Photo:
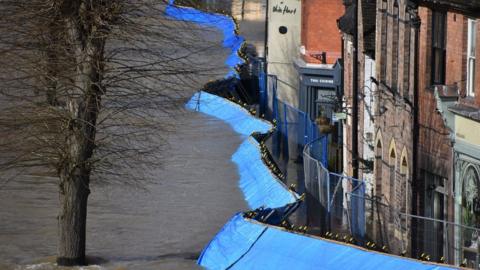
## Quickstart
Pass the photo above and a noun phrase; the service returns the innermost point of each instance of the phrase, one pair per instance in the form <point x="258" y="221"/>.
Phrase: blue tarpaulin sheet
<point x="224" y="23"/>
<point x="244" y="244"/>
<point x="259" y="185"/>
<point x="233" y="114"/>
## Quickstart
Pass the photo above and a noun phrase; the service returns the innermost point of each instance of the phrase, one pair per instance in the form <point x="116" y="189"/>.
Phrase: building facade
<point x="451" y="79"/>
<point x="423" y="108"/>
<point x="283" y="43"/>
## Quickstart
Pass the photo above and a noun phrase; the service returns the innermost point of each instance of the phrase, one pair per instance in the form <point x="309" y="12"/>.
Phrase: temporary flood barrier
<point x="246" y="244"/>
<point x="233" y="114"/>
<point x="260" y="186"/>
<point x="224" y="23"/>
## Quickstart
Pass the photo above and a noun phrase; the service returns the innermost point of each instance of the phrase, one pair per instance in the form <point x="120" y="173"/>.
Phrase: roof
<point x="466" y="111"/>
<point x="346" y="23"/>
<point x="467" y="7"/>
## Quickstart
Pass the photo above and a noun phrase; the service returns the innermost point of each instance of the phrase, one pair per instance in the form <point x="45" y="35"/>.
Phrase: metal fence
<point x="294" y="129"/>
<point x="329" y="208"/>
<point x="420" y="237"/>
<point x="338" y="207"/>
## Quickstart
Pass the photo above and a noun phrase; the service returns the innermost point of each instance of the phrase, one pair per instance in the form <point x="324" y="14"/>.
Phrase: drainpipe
<point x="341" y="124"/>
<point x="415" y="135"/>
<point x="355" y="97"/>
<point x="265" y="49"/>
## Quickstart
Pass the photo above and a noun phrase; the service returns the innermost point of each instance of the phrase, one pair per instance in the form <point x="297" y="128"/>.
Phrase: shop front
<point x="467" y="187"/>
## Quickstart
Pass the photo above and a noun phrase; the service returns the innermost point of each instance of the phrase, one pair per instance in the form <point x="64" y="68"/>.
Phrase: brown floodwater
<point x="162" y="224"/>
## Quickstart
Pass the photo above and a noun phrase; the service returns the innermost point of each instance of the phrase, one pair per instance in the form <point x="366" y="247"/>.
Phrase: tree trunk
<point x="73" y="218"/>
<point x="83" y="109"/>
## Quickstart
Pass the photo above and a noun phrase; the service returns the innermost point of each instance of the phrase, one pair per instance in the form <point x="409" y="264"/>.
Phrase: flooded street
<point x="163" y="223"/>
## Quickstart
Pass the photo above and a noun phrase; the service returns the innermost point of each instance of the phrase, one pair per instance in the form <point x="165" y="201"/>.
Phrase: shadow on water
<point x="189" y="256"/>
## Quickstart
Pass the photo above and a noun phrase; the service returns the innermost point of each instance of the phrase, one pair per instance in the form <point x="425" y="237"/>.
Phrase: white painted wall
<point x="369" y="89"/>
<point x="284" y="48"/>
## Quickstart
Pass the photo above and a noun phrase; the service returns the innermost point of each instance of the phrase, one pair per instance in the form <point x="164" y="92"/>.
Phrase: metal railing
<point x="339" y="207"/>
<point x="328" y="207"/>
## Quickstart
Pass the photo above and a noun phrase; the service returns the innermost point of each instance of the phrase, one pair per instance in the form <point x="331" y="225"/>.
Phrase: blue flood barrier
<point x="224" y="23"/>
<point x="258" y="184"/>
<point x="245" y="244"/>
<point x="223" y="250"/>
<point x="233" y="114"/>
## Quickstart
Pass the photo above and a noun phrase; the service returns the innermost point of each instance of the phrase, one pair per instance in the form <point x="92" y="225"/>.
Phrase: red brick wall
<point x="434" y="151"/>
<point x="394" y="122"/>
<point x="455" y="34"/>
<point x="319" y="29"/>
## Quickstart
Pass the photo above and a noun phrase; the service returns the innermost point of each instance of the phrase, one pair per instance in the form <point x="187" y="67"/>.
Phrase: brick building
<point x="385" y="118"/>
<point x="366" y="70"/>
<point x="319" y="51"/>
<point x="318" y="68"/>
<point x="426" y="119"/>
<point x="394" y="119"/>
<point x="320" y="36"/>
<point x="449" y="126"/>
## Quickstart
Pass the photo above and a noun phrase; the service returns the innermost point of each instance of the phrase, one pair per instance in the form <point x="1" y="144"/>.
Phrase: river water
<point x="159" y="224"/>
<point x="162" y="225"/>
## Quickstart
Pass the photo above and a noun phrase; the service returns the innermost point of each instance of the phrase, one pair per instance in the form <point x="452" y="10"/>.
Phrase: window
<point x="406" y="56"/>
<point x="439" y="21"/>
<point x="471" y="47"/>
<point x="383" y="57"/>
<point x="395" y="50"/>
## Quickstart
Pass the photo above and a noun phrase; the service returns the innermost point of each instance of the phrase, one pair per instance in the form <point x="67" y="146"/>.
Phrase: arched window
<point x="392" y="150"/>
<point x="404" y="183"/>
<point x="378" y="164"/>
<point x="392" y="162"/>
<point x="470" y="197"/>
<point x="470" y="212"/>
<point x="404" y="166"/>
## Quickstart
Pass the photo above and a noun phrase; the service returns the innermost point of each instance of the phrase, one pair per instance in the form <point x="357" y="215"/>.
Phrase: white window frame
<point x="471" y="57"/>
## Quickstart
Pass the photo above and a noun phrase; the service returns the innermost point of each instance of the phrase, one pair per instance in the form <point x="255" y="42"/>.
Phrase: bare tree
<point x="84" y="85"/>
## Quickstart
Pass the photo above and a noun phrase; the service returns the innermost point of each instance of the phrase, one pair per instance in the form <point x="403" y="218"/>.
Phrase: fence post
<point x="305" y="129"/>
<point x="263" y="92"/>
<point x="447" y="254"/>
<point x="285" y="119"/>
<point x="285" y="115"/>
<point x="274" y="100"/>
<point x="328" y="200"/>
<point x="325" y="150"/>
<point x="477" y="258"/>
